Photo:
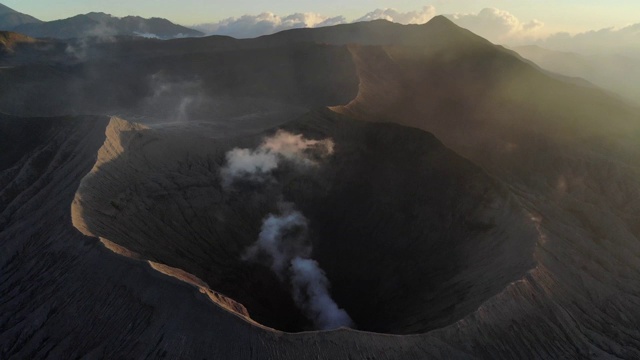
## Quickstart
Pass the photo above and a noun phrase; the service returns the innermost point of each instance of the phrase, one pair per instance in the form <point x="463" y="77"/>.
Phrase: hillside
<point x="9" y="41"/>
<point x="9" y="18"/>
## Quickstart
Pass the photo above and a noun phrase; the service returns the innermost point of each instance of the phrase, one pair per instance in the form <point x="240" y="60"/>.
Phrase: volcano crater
<point x="411" y="236"/>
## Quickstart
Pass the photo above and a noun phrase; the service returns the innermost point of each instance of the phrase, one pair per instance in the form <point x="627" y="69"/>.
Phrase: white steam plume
<point x="283" y="243"/>
<point x="172" y="99"/>
<point x="282" y="238"/>
<point x="311" y="293"/>
<point x="256" y="165"/>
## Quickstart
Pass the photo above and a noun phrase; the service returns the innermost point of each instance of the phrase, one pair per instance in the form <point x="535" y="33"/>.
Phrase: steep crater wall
<point x="411" y="236"/>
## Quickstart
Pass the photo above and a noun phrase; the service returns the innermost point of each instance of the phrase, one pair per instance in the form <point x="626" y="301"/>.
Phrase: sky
<point x="586" y="26"/>
<point x="557" y="15"/>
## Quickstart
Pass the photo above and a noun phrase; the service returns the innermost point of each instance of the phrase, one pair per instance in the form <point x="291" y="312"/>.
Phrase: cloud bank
<point x="250" y="26"/>
<point x="498" y="26"/>
<point x="623" y="40"/>
<point x="393" y="15"/>
<point x="494" y="24"/>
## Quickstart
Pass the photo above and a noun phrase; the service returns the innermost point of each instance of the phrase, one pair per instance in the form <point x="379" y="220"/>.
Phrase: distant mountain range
<point x="92" y="24"/>
<point x="10" y="18"/>
<point x="617" y="73"/>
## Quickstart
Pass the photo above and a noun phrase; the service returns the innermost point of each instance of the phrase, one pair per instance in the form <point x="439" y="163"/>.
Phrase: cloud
<point x="625" y="39"/>
<point x="498" y="26"/>
<point x="410" y="17"/>
<point x="249" y="26"/>
<point x="494" y="24"/>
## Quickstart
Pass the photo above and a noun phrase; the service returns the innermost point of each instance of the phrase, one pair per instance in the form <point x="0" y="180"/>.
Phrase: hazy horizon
<point x="539" y="18"/>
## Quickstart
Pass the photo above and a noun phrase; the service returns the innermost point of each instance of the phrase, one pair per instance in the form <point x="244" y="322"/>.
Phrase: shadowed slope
<point x="570" y="155"/>
<point x="181" y="87"/>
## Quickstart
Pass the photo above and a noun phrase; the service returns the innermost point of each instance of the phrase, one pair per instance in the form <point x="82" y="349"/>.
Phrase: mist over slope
<point x="617" y="73"/>
<point x="471" y="200"/>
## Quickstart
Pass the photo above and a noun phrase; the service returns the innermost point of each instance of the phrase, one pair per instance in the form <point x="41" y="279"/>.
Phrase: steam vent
<point x="361" y="191"/>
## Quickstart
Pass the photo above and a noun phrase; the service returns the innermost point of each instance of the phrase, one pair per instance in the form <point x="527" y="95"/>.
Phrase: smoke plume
<point x="284" y="246"/>
<point x="283" y="243"/>
<point x="256" y="165"/>
<point x="173" y="99"/>
<point x="311" y="294"/>
<point x="282" y="238"/>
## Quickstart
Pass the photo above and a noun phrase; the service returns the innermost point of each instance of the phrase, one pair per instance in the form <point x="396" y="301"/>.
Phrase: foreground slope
<point x="64" y="295"/>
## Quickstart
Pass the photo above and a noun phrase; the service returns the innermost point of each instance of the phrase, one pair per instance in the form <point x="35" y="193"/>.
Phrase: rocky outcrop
<point x="9" y="41"/>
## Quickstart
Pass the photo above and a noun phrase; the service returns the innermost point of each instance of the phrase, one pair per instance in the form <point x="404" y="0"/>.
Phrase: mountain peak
<point x="99" y="16"/>
<point x="442" y="29"/>
<point x="441" y="20"/>
<point x="10" y="18"/>
<point x="442" y="24"/>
